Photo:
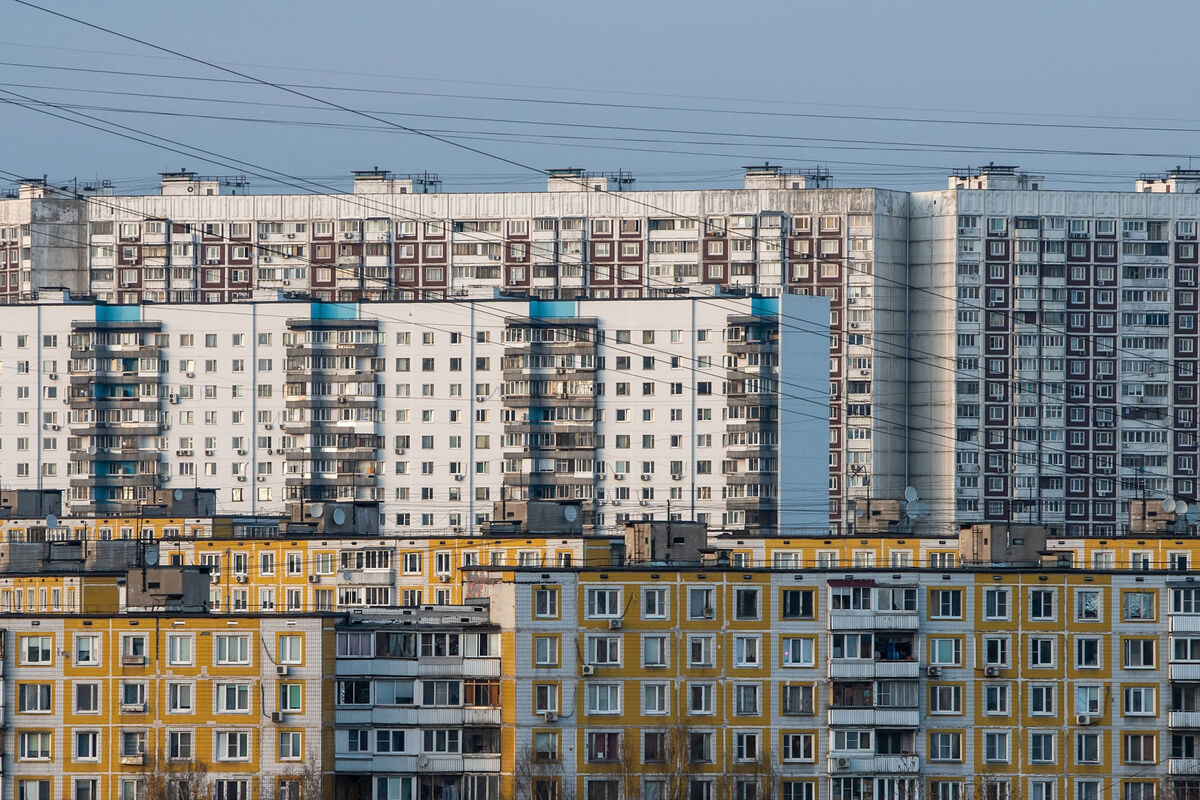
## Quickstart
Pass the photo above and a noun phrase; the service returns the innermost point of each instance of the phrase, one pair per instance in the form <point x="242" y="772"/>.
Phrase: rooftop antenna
<point x="426" y="180"/>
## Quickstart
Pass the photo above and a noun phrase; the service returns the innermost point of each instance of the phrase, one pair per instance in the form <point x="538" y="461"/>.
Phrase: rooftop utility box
<point x="182" y="502"/>
<point x="536" y="516"/>
<point x="357" y="517"/>
<point x="1003" y="544"/>
<point x="30" y="503"/>
<point x="665" y="542"/>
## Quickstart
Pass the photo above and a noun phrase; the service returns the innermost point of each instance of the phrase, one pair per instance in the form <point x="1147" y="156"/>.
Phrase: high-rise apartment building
<point x="435" y="410"/>
<point x="1053" y="361"/>
<point x="1012" y="352"/>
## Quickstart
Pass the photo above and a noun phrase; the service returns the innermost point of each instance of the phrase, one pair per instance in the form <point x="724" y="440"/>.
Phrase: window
<point x="654" y="698"/>
<point x="746" y="651"/>
<point x="745" y="699"/>
<point x="1041" y="699"/>
<point x="603" y="603"/>
<point x="545" y="603"/>
<point x="798" y="604"/>
<point x="654" y="603"/>
<point x="545" y="698"/>
<point x="34" y="698"/>
<point x="1087" y="606"/>
<point x="945" y="747"/>
<point x="232" y="746"/>
<point x="995" y="604"/>
<point x="995" y="651"/>
<point x="1042" y="748"/>
<point x="1041" y="652"/>
<point x="797" y="700"/>
<point x="1137" y="653"/>
<point x="995" y="747"/>
<point x="1087" y="653"/>
<point x="35" y="650"/>
<point x="604" y="698"/>
<point x="545" y="651"/>
<point x="1139" y="701"/>
<point x="1139" y="748"/>
<point x="33" y="746"/>
<point x="945" y="699"/>
<point x="700" y="603"/>
<point x="232" y="649"/>
<point x="746" y="604"/>
<point x="1137" y="605"/>
<point x="798" y="747"/>
<point x="946" y="604"/>
<point x="654" y="651"/>
<point x="87" y="650"/>
<point x="700" y="698"/>
<point x="179" y="649"/>
<point x="995" y="699"/>
<point x="945" y="652"/>
<point x="797" y="651"/>
<point x="1041" y="604"/>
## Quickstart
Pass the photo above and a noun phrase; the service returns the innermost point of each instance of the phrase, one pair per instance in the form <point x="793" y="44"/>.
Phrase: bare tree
<point x="173" y="778"/>
<point x="534" y="777"/>
<point x="305" y="782"/>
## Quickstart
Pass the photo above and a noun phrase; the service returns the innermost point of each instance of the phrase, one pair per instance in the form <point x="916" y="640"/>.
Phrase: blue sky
<point x="681" y="94"/>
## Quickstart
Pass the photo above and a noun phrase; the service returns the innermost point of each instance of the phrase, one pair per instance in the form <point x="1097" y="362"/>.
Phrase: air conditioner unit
<point x="841" y="763"/>
<point x="676" y="476"/>
<point x="618" y="476"/>
<point x="241" y="578"/>
<point x="53" y="376"/>
<point x="281" y="670"/>
<point x="268" y="426"/>
<point x="262" y="478"/>
<point x="313" y="578"/>
<point x="241" y="452"/>
<point x="443" y="578"/>
<point x="210" y="452"/>
<point x="1083" y="719"/>
<point x="991" y="672"/>
<point x="587" y="670"/>
<point x="458" y="528"/>
<point x="480" y="398"/>
<point x="550" y="716"/>
<point x="707" y="613"/>
<point x="646" y="476"/>
<point x="614" y="624"/>
<point x="644" y="502"/>
<point x="851" y="300"/>
<point x="933" y="672"/>
<point x="459" y="477"/>
<point x="399" y="451"/>
<point x="277" y="717"/>
<point x="173" y="399"/>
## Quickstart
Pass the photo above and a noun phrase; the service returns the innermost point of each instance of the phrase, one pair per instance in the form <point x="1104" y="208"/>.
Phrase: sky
<point x="681" y="94"/>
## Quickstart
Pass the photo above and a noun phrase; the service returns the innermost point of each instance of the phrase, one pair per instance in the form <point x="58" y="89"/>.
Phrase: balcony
<point x="1183" y="719"/>
<point x="871" y="717"/>
<point x="872" y="621"/>
<point x="1183" y="766"/>
<point x="1184" y="672"/>
<point x="854" y="669"/>
<point x="875" y="764"/>
<point x="360" y="577"/>
<point x="1184" y="623"/>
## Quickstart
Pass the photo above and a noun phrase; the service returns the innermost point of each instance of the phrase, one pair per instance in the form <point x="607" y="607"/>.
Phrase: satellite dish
<point x="316" y="510"/>
<point x="91" y="451"/>
<point x="1181" y="507"/>
<point x="179" y="494"/>
<point x="570" y="513"/>
<point x="1168" y="504"/>
<point x="910" y="494"/>
<point x="918" y="509"/>
<point x="858" y="510"/>
<point x="151" y="556"/>
<point x="339" y="516"/>
<point x="51" y="521"/>
<point x="1190" y="516"/>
